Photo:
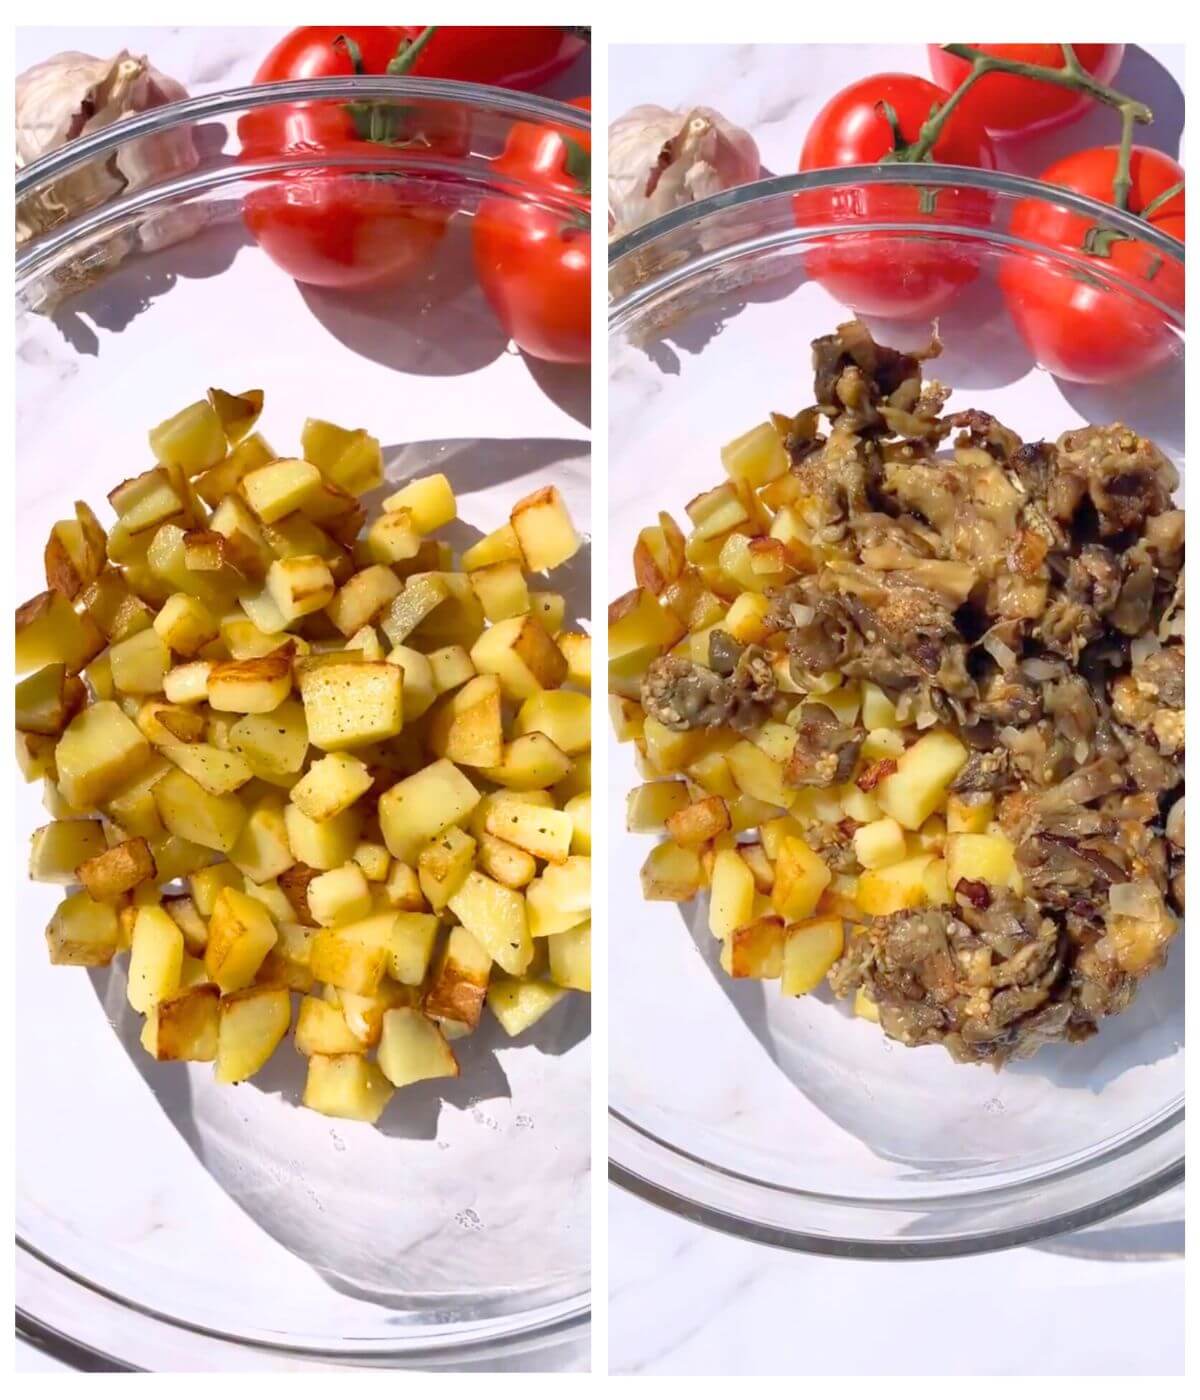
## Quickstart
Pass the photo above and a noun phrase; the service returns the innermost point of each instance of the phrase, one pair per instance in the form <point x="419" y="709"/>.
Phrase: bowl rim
<point x="934" y="176"/>
<point x="154" y="121"/>
<point x="707" y="1212"/>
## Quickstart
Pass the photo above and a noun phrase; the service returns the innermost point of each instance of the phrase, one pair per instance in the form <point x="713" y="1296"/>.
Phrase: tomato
<point x="1076" y="327"/>
<point x="878" y="273"/>
<point x="534" y="264"/>
<point x="335" y="225"/>
<point x="1008" y="105"/>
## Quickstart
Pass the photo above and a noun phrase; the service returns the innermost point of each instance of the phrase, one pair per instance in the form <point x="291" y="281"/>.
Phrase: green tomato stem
<point x="1160" y="199"/>
<point x="408" y="53"/>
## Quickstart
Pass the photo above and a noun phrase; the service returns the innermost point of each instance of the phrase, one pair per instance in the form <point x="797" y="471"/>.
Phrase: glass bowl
<point x="165" y="1222"/>
<point x="786" y="1120"/>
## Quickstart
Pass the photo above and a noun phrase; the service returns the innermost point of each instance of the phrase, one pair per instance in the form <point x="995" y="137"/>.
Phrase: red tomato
<point x="511" y="56"/>
<point x="1008" y="105"/>
<point x="883" y="274"/>
<point x="1075" y="326"/>
<point x="535" y="265"/>
<point x="335" y="226"/>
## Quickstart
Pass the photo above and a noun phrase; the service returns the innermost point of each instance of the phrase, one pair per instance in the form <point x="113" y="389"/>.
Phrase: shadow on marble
<point x="567" y="386"/>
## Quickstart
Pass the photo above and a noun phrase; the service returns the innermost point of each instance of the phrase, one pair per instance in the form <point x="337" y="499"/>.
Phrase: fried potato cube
<point x="518" y="1003"/>
<point x="758" y="775"/>
<point x="542" y="831"/>
<point x="423" y="805"/>
<point x="323" y="845"/>
<point x="331" y="784"/>
<point x="467" y="727"/>
<point x="418" y="687"/>
<point x="299" y="585"/>
<point x="757" y="457"/>
<point x="879" y="843"/>
<point x="216" y="771"/>
<point x="262" y="850"/>
<point x="342" y="959"/>
<point x="501" y="590"/>
<point x="923" y="774"/>
<point x="184" y="1026"/>
<point x="58" y="849"/>
<point x="347" y="704"/>
<point x="139" y="663"/>
<point x="184" y="624"/>
<point x="253" y="687"/>
<point x="430" y="501"/>
<point x="280" y="487"/>
<point x="402" y="889"/>
<point x="75" y="553"/>
<point x="969" y="816"/>
<point x="570" y="958"/>
<point x="544" y="530"/>
<point x="450" y="667"/>
<point x="192" y="439"/>
<point x="649" y="806"/>
<point x="118" y="869"/>
<point x="187" y="684"/>
<point x="374" y="860"/>
<point x="240" y="934"/>
<point x="186" y="810"/>
<point x="49" y="630"/>
<point x="392" y="538"/>
<point x="755" y="949"/>
<point x="252" y="1023"/>
<point x="560" y="898"/>
<point x="801" y="877"/>
<point x="155" y="958"/>
<point x="362" y="598"/>
<point x="274" y="744"/>
<point x="351" y="458"/>
<point x="499" y="547"/>
<point x="878" y="710"/>
<point x="208" y="883"/>
<point x="421" y="596"/>
<point x="321" y="1029"/>
<point x="698" y="822"/>
<point x="731" y="900"/>
<point x="100" y="751"/>
<point x="412" y="1048"/>
<point x="577" y="648"/>
<point x="981" y="856"/>
<point x="522" y="654"/>
<point x="505" y="863"/>
<point x="460" y="979"/>
<point x="410" y="941"/>
<point x="563" y="716"/>
<point x="346" y="1086"/>
<point x="497" y="917"/>
<point x="339" y="896"/>
<point x="83" y="932"/>
<point x="47" y="701"/>
<point x="530" y="761"/>
<point x="894" y="887"/>
<point x="810" y="949"/>
<point x="443" y="865"/>
<point x="671" y="872"/>
<point x="165" y="724"/>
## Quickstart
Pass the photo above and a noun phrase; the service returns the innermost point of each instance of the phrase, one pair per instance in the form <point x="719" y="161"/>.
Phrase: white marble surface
<point x="299" y="1203"/>
<point x="685" y="1300"/>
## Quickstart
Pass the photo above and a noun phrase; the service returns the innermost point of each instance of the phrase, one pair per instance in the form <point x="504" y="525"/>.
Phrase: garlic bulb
<point x="74" y="94"/>
<point x="659" y="160"/>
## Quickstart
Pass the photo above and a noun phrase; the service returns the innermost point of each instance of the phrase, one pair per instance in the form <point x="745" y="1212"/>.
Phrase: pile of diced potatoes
<point x="729" y="822"/>
<point x="287" y="751"/>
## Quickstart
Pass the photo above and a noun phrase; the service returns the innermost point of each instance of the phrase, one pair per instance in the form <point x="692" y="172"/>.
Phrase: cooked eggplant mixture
<point x="1017" y="607"/>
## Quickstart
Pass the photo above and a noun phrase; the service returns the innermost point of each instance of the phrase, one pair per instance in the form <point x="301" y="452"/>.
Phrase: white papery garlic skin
<point x="74" y="94"/>
<point x="659" y="160"/>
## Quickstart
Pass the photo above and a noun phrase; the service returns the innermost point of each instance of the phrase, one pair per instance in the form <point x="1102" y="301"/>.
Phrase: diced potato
<point x="450" y="667"/>
<point x="362" y="598"/>
<point x="971" y="816"/>
<point x="252" y="1023"/>
<point x="192" y="439"/>
<point x="422" y="806"/>
<point x="518" y="1003"/>
<point x="579" y="809"/>
<point x="699" y="822"/>
<point x="412" y="1048"/>
<point x="501" y="590"/>
<point x="460" y="979"/>
<point x="402" y="889"/>
<point x="60" y="848"/>
<point x="758" y="776"/>
<point x="497" y="917"/>
<point x="253" y="687"/>
<point x="49" y="630"/>
<point x="332" y="784"/>
<point x="184" y="1026"/>
<point x="113" y="872"/>
<point x="155" y="959"/>
<point x="100" y="751"/>
<point x="543" y="832"/>
<point x="731" y="903"/>
<point x="570" y="958"/>
<point x="187" y="684"/>
<point x="444" y="864"/>
<point x="894" y="887"/>
<point x="649" y="807"/>
<point x="560" y="898"/>
<point x="206" y="884"/>
<point x="262" y="850"/>
<point x="979" y="856"/>
<point x="429" y="499"/>
<point x="184" y="624"/>
<point x="756" y="457"/>
<point x="392" y="538"/>
<point x="349" y="457"/>
<point x="280" y="487"/>
<point x="923" y="774"/>
<point x="186" y="810"/>
<point x="348" y="704"/>
<point x="321" y="1029"/>
<point x="47" y="701"/>
<point x="810" y="949"/>
<point x="339" y="896"/>
<point x="530" y="761"/>
<point x="562" y="715"/>
<point x="216" y="772"/>
<point x="340" y="957"/>
<point x="879" y="843"/>
<point x="801" y="877"/>
<point x="323" y="845"/>
<point x="240" y="934"/>
<point x="165" y="724"/>
<point x="878" y="711"/>
<point x="544" y="530"/>
<point x="522" y="654"/>
<point x="467" y="727"/>
<point x="937" y="890"/>
<point x="346" y="1086"/>
<point x="671" y="872"/>
<point x="83" y="932"/>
